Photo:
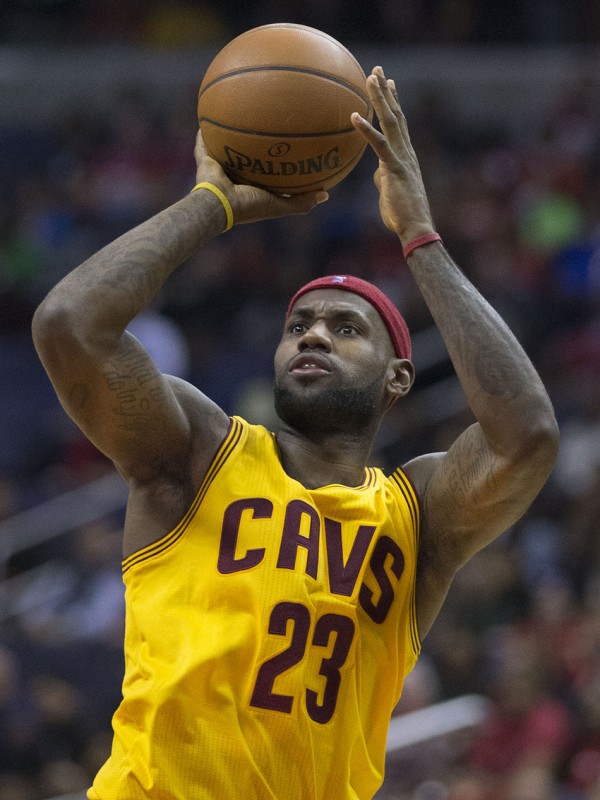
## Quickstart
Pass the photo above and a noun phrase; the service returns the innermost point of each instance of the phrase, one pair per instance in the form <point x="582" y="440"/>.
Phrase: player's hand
<point x="249" y="203"/>
<point x="403" y="201"/>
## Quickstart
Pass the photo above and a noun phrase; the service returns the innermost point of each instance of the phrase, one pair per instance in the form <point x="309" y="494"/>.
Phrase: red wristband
<point x="425" y="239"/>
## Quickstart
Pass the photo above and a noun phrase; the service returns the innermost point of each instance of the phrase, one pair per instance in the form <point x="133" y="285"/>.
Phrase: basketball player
<point x="278" y="588"/>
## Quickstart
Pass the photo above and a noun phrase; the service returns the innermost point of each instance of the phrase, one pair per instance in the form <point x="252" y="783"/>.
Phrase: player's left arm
<point x="494" y="470"/>
<point x="491" y="474"/>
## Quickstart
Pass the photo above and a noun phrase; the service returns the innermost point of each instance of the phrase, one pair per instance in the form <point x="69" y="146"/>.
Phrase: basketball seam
<point x="308" y="29"/>
<point x="289" y="68"/>
<point x="250" y="132"/>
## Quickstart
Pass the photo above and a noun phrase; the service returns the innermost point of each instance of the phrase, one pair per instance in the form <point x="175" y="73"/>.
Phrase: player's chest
<point x="354" y="554"/>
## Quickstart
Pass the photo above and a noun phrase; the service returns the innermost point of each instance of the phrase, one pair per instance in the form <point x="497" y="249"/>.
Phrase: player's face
<point x="333" y="364"/>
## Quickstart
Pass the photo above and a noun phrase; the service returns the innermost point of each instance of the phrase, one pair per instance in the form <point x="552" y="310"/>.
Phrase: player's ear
<point x="400" y="377"/>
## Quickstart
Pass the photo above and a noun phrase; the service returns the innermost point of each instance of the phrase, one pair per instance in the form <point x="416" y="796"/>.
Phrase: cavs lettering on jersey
<point x="267" y="637"/>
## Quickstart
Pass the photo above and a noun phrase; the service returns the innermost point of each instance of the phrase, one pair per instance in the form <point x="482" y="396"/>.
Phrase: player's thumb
<point x="303" y="203"/>
<point x="258" y="204"/>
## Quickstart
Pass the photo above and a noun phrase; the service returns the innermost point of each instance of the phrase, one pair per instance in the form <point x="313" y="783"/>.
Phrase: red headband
<point x="388" y="312"/>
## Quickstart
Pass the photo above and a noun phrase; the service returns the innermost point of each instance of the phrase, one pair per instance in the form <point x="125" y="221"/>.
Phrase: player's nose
<point x="316" y="336"/>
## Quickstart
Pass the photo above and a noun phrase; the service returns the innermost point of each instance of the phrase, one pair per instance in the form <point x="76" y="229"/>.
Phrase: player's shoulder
<point x="420" y="470"/>
<point x="197" y="406"/>
<point x="209" y="424"/>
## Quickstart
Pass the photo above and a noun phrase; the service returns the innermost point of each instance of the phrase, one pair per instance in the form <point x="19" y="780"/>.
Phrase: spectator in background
<point x="82" y="599"/>
<point x="528" y="731"/>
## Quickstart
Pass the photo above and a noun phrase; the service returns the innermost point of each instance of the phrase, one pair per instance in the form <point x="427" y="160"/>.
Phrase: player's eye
<point x="297" y="327"/>
<point x="347" y="329"/>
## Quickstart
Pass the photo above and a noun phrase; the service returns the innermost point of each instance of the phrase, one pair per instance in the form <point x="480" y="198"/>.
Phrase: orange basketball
<point x="274" y="109"/>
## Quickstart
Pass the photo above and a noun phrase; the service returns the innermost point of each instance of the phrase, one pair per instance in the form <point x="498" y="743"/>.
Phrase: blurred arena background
<point x="97" y="123"/>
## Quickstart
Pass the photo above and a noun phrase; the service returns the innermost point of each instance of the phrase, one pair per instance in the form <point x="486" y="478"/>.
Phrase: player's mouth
<point x="309" y="364"/>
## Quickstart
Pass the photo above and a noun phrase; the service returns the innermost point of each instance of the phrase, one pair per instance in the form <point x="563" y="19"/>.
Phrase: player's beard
<point x="330" y="410"/>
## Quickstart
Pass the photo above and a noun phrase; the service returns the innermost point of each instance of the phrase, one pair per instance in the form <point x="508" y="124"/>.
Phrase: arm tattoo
<point x="137" y="390"/>
<point x="472" y="467"/>
<point x="485" y="353"/>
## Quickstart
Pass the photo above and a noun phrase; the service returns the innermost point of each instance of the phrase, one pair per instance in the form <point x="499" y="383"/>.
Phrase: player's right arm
<point x="106" y="381"/>
<point x="104" y="378"/>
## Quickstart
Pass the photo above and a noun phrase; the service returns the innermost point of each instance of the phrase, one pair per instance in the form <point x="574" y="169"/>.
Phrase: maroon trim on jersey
<point x="413" y="502"/>
<point x="228" y="445"/>
<point x="371" y="479"/>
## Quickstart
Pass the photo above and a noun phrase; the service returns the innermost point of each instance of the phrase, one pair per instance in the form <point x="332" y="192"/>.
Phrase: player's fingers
<point x="388" y="104"/>
<point x="377" y="179"/>
<point x="207" y="168"/>
<point x="390" y="95"/>
<point x="403" y="126"/>
<point x="381" y="96"/>
<point x="394" y="102"/>
<point x="391" y="102"/>
<point x="388" y="141"/>
<point x="303" y="203"/>
<point x="375" y="138"/>
<point x="253" y="204"/>
<point x="390" y="87"/>
<point x="200" y="147"/>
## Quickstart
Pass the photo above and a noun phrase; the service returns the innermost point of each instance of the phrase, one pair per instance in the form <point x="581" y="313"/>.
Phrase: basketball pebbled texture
<point x="274" y="109"/>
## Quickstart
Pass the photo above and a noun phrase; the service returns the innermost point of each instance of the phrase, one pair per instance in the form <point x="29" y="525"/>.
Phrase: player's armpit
<point x="469" y="496"/>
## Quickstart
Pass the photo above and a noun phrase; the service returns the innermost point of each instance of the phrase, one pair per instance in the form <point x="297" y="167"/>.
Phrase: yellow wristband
<point x="226" y="204"/>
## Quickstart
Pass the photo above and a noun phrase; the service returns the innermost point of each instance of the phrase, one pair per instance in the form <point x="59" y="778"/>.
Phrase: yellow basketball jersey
<point x="267" y="637"/>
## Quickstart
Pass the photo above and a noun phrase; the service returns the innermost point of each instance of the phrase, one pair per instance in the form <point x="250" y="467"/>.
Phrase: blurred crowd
<point x="189" y="23"/>
<point x="520" y="212"/>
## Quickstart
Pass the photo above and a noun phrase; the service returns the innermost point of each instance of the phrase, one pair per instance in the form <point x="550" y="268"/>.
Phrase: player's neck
<point x="337" y="458"/>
